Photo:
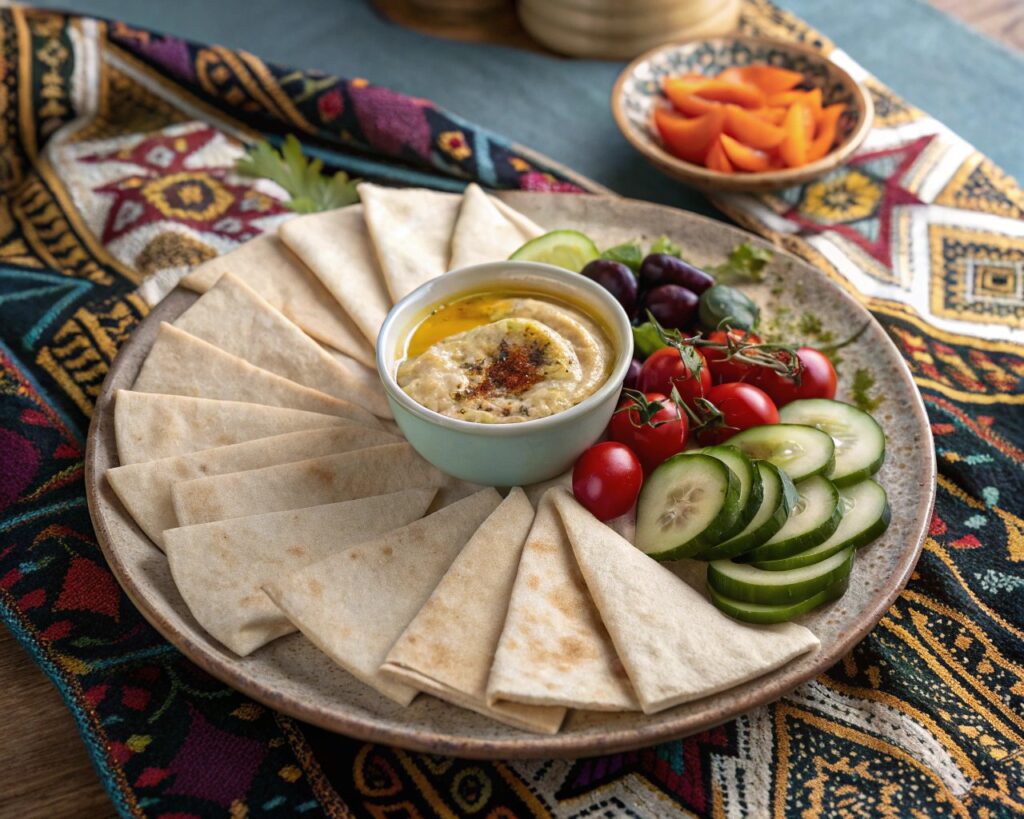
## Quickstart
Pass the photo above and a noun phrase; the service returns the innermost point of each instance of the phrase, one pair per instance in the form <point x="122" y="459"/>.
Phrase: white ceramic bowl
<point x="504" y="454"/>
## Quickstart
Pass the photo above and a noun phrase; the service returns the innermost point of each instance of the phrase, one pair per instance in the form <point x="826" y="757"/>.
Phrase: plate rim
<point x="521" y="745"/>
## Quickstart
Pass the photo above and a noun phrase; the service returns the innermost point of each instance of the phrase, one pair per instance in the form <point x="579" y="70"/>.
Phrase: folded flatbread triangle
<point x="554" y="649"/>
<point x="355" y="604"/>
<point x="336" y="247"/>
<point x="220" y="568"/>
<point x="145" y="488"/>
<point x="273" y="271"/>
<point x="328" y="479"/>
<point x="149" y="425"/>
<point x="483" y="233"/>
<point x="235" y="318"/>
<point x="181" y="364"/>
<point x="675" y="645"/>
<point x="448" y="648"/>
<point x="411" y="231"/>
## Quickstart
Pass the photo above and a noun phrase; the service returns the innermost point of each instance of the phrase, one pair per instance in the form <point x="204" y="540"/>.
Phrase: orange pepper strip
<point x="793" y="148"/>
<point x="743" y="156"/>
<point x="688" y="139"/>
<point x="769" y="78"/>
<point x="750" y="129"/>
<point x="716" y="160"/>
<point x="813" y="100"/>
<point x="785" y="98"/>
<point x="737" y="93"/>
<point x="687" y="103"/>
<point x="825" y="134"/>
<point x="773" y="116"/>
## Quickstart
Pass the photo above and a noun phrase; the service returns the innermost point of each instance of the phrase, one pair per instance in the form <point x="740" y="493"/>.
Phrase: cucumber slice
<point x="800" y="450"/>
<point x="751" y="488"/>
<point x="748" y="584"/>
<point x="859" y="440"/>
<point x="766" y="614"/>
<point x="865" y="516"/>
<point x="563" y="248"/>
<point x="779" y="496"/>
<point x="685" y="505"/>
<point x="813" y="520"/>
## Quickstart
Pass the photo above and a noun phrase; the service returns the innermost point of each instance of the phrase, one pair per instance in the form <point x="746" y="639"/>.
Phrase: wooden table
<point x="46" y="771"/>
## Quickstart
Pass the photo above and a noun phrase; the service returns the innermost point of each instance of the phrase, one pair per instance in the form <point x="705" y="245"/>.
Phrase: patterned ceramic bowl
<point x="638" y="91"/>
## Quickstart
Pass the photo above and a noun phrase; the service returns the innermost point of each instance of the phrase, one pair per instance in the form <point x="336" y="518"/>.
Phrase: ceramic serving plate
<point x="317" y="691"/>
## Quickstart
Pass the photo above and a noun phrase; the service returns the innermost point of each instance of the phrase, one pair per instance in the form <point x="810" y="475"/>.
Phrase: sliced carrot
<point x="785" y="98"/>
<point x="825" y="133"/>
<point x="687" y="103"/>
<point x="737" y="93"/>
<point x="750" y="129"/>
<point x="793" y="148"/>
<point x="812" y="99"/>
<point x="743" y="156"/>
<point x="716" y="160"/>
<point x="769" y="78"/>
<point x="771" y="115"/>
<point x="689" y="139"/>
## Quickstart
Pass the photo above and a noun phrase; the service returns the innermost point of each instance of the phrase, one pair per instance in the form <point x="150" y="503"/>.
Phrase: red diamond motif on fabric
<point x="893" y="196"/>
<point x="88" y="587"/>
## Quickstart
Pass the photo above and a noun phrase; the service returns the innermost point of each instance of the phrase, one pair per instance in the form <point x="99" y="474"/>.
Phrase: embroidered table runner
<point x="117" y="149"/>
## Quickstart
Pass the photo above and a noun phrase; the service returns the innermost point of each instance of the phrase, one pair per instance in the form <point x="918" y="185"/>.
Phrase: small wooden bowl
<point x="638" y="90"/>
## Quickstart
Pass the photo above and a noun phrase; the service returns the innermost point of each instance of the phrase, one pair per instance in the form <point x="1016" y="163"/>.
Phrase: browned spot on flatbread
<point x="387" y="551"/>
<point x="564" y="600"/>
<point x="321" y="474"/>
<point x="574" y="650"/>
<point x="315" y="588"/>
<point x="297" y="551"/>
<point x="533" y="581"/>
<point x="543" y="546"/>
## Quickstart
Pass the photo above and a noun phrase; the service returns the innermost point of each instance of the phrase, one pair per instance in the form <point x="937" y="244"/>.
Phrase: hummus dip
<point x="520" y="358"/>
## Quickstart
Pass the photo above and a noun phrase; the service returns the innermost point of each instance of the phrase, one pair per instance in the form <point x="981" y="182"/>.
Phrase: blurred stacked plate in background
<point x="622" y="29"/>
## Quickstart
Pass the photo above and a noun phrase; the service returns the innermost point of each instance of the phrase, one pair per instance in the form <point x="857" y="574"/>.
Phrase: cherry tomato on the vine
<point x="654" y="428"/>
<point x="817" y="378"/>
<point x="665" y="369"/>
<point x="725" y="370"/>
<point x="742" y="406"/>
<point x="607" y="479"/>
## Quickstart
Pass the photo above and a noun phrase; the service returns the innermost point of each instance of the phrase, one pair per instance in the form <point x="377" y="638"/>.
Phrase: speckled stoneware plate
<point x="638" y="90"/>
<point x="317" y="691"/>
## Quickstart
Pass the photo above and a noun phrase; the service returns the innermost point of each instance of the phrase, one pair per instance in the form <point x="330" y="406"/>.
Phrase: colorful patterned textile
<point x="116" y="147"/>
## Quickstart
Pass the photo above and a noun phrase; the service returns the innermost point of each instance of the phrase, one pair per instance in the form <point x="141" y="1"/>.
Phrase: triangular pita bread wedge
<point x="448" y="647"/>
<point x="145" y="488"/>
<point x="411" y="231"/>
<point x="336" y="247"/>
<point x="235" y="318"/>
<point x="149" y="426"/>
<point x="273" y="271"/>
<point x="483" y="233"/>
<point x="553" y="648"/>
<point x="353" y="605"/>
<point x="181" y="364"/>
<point x="675" y="645"/>
<point x="329" y="479"/>
<point x="220" y="568"/>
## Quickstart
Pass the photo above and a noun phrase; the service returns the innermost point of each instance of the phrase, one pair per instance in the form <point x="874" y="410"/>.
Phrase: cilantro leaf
<point x="310" y="189"/>
<point x="631" y="254"/>
<point x="745" y="263"/>
<point x="665" y="245"/>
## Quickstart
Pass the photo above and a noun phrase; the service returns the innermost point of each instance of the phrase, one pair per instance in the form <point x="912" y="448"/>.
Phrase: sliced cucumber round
<point x="685" y="505"/>
<point x="564" y="248"/>
<point x="778" y="498"/>
<point x="866" y="515"/>
<point x="749" y="584"/>
<point x="813" y="520"/>
<point x="859" y="440"/>
<point x="800" y="450"/>
<point x="751" y="489"/>
<point x="765" y="614"/>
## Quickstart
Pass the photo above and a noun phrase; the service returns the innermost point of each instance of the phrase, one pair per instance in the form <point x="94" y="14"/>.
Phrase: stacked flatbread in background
<point x="256" y="451"/>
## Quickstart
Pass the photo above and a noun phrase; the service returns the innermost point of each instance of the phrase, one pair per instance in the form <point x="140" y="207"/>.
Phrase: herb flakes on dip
<point x="503" y="358"/>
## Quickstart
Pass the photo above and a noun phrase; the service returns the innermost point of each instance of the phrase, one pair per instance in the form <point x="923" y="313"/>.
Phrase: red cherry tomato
<point x="742" y="406"/>
<point x="665" y="368"/>
<point x="607" y="479"/>
<point x="724" y="370"/>
<point x="817" y="378"/>
<point x="655" y="429"/>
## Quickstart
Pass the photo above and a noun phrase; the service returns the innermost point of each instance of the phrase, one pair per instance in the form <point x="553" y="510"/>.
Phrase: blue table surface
<point x="560" y="107"/>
